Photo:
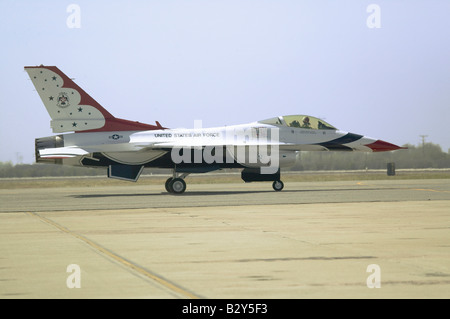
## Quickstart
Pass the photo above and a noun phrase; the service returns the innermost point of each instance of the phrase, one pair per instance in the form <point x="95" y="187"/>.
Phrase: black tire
<point x="278" y="186"/>
<point x="177" y="185"/>
<point x="167" y="185"/>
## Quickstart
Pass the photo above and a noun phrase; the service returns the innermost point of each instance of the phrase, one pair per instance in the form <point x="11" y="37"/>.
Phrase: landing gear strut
<point x="176" y="184"/>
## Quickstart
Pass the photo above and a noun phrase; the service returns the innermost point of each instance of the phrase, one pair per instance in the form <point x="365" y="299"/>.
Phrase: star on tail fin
<point x="72" y="109"/>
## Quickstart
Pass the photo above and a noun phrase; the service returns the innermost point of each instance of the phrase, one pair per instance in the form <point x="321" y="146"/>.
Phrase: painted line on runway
<point x="429" y="190"/>
<point x="410" y="188"/>
<point x="167" y="284"/>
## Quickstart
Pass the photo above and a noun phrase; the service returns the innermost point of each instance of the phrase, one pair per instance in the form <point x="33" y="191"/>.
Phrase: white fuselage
<point x="141" y="147"/>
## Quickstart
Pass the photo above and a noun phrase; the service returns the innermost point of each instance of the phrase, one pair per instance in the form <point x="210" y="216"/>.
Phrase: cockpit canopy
<point x="301" y="121"/>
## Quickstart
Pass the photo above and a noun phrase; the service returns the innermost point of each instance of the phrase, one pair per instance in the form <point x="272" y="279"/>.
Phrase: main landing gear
<point x="176" y="184"/>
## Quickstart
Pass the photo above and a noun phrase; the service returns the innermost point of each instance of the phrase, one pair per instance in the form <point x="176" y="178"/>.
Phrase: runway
<point x="233" y="240"/>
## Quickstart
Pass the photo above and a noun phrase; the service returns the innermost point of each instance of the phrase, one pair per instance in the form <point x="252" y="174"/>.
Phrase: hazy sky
<point x="233" y="62"/>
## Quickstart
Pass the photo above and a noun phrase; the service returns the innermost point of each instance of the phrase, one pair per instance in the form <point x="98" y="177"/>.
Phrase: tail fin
<point x="72" y="109"/>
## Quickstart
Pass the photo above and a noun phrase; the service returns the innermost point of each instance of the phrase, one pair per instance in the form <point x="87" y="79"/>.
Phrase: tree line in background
<point x="428" y="155"/>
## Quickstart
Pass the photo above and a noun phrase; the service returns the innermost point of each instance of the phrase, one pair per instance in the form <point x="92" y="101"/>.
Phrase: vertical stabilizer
<point x="71" y="108"/>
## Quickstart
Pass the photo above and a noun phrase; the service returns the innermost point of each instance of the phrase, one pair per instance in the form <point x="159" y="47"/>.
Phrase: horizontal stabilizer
<point x="52" y="150"/>
<point x="62" y="152"/>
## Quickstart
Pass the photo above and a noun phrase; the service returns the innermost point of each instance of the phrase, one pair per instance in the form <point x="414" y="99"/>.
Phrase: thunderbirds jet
<point x="99" y="139"/>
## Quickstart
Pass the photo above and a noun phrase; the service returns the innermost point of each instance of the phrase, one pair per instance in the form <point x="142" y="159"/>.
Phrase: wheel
<point x="177" y="185"/>
<point x="278" y="186"/>
<point x="167" y="185"/>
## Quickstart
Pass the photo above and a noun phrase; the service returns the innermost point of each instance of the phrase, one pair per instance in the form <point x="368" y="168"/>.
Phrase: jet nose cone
<point x="382" y="146"/>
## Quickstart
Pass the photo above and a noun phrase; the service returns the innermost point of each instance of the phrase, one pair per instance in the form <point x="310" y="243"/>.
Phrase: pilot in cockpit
<point x="306" y="123"/>
<point x="295" y="123"/>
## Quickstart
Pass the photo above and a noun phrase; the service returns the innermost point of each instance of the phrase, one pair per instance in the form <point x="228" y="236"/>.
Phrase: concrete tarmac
<point x="368" y="239"/>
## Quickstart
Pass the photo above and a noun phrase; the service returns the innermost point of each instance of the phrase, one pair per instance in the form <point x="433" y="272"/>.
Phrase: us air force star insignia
<point x="63" y="100"/>
<point x="115" y="136"/>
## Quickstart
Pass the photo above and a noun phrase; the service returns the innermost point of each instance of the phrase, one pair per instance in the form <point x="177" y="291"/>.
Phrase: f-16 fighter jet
<point x="93" y="137"/>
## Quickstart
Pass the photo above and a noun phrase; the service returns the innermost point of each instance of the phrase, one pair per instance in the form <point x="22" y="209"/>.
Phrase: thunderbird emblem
<point x="63" y="100"/>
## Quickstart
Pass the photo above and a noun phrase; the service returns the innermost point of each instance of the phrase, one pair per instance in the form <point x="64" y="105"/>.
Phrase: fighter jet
<point x="93" y="137"/>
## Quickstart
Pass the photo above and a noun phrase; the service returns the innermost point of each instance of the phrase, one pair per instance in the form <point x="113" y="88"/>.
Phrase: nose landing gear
<point x="278" y="186"/>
